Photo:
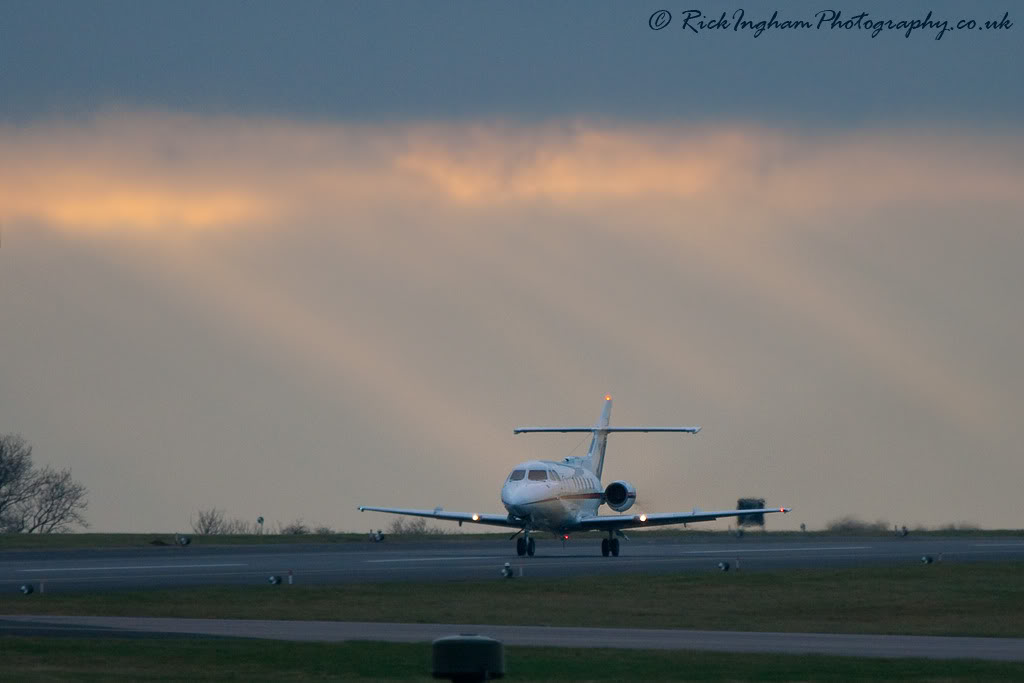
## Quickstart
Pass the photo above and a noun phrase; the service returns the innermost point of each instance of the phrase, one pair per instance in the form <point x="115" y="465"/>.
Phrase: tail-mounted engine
<point x="620" y="495"/>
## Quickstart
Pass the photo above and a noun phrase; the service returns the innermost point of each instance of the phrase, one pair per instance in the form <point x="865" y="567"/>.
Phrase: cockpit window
<point x="538" y="475"/>
<point x="517" y="475"/>
<point x="554" y="475"/>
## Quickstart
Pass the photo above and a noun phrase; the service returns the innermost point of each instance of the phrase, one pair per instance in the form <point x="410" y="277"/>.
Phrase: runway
<point x="445" y="559"/>
<point x="930" y="647"/>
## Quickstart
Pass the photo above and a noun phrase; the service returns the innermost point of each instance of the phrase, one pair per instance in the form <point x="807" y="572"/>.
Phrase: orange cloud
<point x="163" y="174"/>
<point x="143" y="208"/>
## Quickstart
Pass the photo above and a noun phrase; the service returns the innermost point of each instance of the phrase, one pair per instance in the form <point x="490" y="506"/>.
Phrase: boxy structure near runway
<point x="754" y="518"/>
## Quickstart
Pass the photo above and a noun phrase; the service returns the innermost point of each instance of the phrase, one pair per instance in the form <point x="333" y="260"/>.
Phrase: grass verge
<point x="96" y="541"/>
<point x="100" y="659"/>
<point x="941" y="599"/>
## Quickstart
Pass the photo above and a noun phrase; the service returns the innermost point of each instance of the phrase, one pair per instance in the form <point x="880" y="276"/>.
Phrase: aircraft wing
<point x="637" y="521"/>
<point x="440" y="513"/>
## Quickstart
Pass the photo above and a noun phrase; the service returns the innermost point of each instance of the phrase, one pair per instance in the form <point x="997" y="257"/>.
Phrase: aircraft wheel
<point x="615" y="547"/>
<point x="531" y="547"/>
<point x="520" y="546"/>
<point x="604" y="547"/>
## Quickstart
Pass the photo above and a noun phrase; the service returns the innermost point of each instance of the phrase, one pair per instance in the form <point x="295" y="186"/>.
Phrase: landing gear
<point x="610" y="546"/>
<point x="525" y="545"/>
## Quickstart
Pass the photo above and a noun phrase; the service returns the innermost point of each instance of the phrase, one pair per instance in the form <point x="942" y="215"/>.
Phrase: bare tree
<point x="57" y="504"/>
<point x="209" y="522"/>
<point x="852" y="525"/>
<point x="296" y="528"/>
<point x="416" y="526"/>
<point x="36" y="501"/>
<point x="215" y="522"/>
<point x="239" y="526"/>
<point x="16" y="480"/>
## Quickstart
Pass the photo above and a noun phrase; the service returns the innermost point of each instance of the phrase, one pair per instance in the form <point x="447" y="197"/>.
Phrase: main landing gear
<point x="525" y="545"/>
<point x="610" y="546"/>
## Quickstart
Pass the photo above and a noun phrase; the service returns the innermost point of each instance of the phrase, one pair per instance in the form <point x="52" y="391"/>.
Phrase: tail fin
<point x="594" y="460"/>
<point x="595" y="456"/>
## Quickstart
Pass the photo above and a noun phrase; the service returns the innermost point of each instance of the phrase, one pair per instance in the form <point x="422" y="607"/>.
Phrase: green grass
<point x="941" y="599"/>
<point x="100" y="659"/>
<point x="96" y="541"/>
<point x="90" y="540"/>
<point x="76" y="541"/>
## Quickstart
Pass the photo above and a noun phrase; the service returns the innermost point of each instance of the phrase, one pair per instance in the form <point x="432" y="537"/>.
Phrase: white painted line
<point x="993" y="551"/>
<point x="723" y="551"/>
<point x="122" y="577"/>
<point x="449" y="558"/>
<point x="997" y="545"/>
<point x="742" y="551"/>
<point x="148" y="566"/>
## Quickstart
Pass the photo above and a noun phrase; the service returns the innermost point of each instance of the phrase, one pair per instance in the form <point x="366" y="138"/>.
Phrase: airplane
<point x="564" y="497"/>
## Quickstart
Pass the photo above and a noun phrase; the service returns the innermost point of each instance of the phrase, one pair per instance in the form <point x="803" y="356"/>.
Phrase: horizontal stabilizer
<point x="605" y="430"/>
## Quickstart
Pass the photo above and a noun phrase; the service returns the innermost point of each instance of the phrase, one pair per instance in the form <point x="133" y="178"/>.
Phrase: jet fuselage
<point x="551" y="496"/>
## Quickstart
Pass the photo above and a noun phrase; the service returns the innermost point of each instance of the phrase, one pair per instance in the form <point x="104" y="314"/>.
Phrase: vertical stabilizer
<point x="595" y="456"/>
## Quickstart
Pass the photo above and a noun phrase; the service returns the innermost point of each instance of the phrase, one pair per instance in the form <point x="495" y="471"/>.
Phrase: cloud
<point x="163" y="175"/>
<point x="735" y="196"/>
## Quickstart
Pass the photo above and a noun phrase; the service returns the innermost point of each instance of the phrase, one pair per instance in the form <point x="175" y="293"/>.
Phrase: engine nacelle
<point x="620" y="495"/>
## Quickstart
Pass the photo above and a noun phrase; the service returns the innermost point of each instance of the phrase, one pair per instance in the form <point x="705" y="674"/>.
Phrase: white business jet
<point x="563" y="497"/>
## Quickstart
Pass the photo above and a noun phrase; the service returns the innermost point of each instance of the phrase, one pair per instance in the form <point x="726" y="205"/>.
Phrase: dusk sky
<point x="286" y="259"/>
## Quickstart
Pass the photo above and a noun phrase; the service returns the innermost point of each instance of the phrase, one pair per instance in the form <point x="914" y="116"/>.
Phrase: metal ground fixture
<point x="468" y="657"/>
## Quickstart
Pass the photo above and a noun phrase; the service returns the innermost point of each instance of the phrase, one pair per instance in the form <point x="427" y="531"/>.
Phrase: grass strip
<point x="113" y="541"/>
<point x="137" y="540"/>
<point x="982" y="599"/>
<point x="175" y="659"/>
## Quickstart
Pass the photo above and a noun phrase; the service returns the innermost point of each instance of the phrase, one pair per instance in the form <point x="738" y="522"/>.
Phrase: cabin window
<point x="538" y="475"/>
<point x="517" y="475"/>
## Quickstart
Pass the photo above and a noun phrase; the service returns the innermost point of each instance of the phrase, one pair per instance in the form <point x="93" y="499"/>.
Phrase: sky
<point x="288" y="259"/>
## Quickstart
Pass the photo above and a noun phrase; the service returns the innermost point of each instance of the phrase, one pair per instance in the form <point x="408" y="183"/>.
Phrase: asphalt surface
<point x="444" y="559"/>
<point x="931" y="647"/>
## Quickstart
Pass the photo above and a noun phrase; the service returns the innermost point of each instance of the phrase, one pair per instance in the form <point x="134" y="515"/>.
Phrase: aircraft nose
<point x="514" y="496"/>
